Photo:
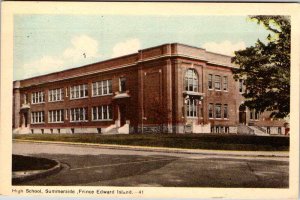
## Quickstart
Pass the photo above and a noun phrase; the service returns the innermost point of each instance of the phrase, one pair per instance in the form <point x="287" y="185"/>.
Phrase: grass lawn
<point x="187" y="141"/>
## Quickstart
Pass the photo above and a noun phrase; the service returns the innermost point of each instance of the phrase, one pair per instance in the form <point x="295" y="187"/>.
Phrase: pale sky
<point x="50" y="43"/>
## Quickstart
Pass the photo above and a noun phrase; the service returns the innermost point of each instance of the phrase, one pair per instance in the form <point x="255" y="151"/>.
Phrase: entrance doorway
<point x="242" y="114"/>
<point x="24" y="117"/>
<point x="122" y="114"/>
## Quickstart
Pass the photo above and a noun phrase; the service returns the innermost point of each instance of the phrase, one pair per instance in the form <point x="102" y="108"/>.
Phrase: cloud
<point x="127" y="47"/>
<point x="83" y="49"/>
<point x="226" y="47"/>
<point x="44" y="65"/>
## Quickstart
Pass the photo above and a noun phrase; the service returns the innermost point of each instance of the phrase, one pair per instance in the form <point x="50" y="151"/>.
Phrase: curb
<point x="42" y="174"/>
<point x="167" y="150"/>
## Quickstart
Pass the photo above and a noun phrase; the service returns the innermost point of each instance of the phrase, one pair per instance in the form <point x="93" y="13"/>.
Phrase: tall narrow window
<point x="254" y="115"/>
<point x="218" y="111"/>
<point x="217" y="82"/>
<point x="191" y="109"/>
<point x="122" y="86"/>
<point x="225" y="83"/>
<point x="241" y="85"/>
<point x="191" y="80"/>
<point x="210" y="81"/>
<point x="225" y="111"/>
<point x="210" y="111"/>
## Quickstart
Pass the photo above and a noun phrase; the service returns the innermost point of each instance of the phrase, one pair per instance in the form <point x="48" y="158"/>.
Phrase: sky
<point x="50" y="43"/>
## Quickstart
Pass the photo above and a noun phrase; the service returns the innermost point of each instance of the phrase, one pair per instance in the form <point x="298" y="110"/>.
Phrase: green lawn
<point x="187" y="141"/>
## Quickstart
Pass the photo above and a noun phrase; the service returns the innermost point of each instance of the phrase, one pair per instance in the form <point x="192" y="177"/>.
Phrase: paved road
<point x="95" y="166"/>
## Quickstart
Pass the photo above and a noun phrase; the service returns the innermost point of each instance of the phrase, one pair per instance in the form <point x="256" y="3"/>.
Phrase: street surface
<point x="96" y="166"/>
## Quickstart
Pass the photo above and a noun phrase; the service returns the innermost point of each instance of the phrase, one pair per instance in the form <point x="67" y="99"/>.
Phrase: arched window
<point x="191" y="80"/>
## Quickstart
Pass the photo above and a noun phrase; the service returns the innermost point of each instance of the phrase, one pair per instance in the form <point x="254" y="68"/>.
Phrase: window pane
<point x="104" y="87"/>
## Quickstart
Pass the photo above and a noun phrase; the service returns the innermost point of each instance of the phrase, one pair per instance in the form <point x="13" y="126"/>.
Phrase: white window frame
<point x="38" y="117"/>
<point x="219" y="81"/>
<point x="56" y="116"/>
<point x="192" y="108"/>
<point x="225" y="83"/>
<point x="225" y="107"/>
<point x="38" y="97"/>
<point x="241" y="86"/>
<point x="210" y="80"/>
<point x="79" y="114"/>
<point x="218" y="115"/>
<point x="57" y="93"/>
<point x="191" y="79"/>
<point x="99" y="86"/>
<point x="77" y="90"/>
<point x="98" y="113"/>
<point x="211" y="110"/>
<point x="120" y="85"/>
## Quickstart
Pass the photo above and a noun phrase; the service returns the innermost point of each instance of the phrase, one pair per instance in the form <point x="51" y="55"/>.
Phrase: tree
<point x="265" y="68"/>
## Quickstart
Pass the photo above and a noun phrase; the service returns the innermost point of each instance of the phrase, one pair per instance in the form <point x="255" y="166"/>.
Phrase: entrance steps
<point x="113" y="129"/>
<point x="258" y="130"/>
<point x="22" y="130"/>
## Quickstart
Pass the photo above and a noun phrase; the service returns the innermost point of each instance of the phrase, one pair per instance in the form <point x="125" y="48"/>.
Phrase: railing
<point x="261" y="129"/>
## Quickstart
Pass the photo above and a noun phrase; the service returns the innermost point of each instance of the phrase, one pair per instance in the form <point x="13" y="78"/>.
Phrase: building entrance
<point x="122" y="113"/>
<point x="242" y="114"/>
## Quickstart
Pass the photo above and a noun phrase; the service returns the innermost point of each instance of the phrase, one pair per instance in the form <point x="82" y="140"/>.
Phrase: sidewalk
<point x="283" y="154"/>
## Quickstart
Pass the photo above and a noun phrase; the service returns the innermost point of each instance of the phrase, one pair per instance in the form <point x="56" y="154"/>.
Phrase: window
<point x="210" y="81"/>
<point x="55" y="116"/>
<point x="102" y="88"/>
<point x="225" y="83"/>
<point x="279" y="130"/>
<point x="218" y="111"/>
<point x="241" y="85"/>
<point x="225" y="116"/>
<point x="191" y="110"/>
<point x="79" y="91"/>
<point x="210" y="111"/>
<point x="226" y="129"/>
<point x="37" y="117"/>
<point x="56" y="95"/>
<point x="102" y="113"/>
<point x="191" y="80"/>
<point x="218" y="82"/>
<point x="254" y="115"/>
<point x="122" y="86"/>
<point x="37" y="97"/>
<point x="78" y="114"/>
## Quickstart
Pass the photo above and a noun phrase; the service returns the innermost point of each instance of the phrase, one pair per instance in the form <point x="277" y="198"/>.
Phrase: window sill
<point x="56" y="122"/>
<point x="102" y="120"/>
<point x="79" y="98"/>
<point x="79" y="121"/>
<point x="55" y="101"/>
<point x="191" y="117"/>
<point x="110" y="94"/>
<point x="38" y="123"/>
<point x="37" y="103"/>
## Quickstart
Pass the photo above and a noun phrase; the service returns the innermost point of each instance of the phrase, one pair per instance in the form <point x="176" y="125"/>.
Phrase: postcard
<point x="150" y="100"/>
